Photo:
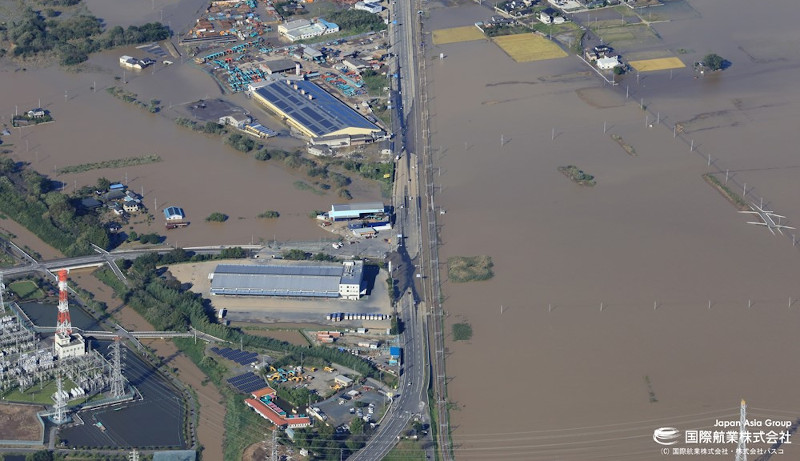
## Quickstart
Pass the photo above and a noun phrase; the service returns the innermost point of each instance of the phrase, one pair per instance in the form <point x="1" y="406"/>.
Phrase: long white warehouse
<point x="344" y="280"/>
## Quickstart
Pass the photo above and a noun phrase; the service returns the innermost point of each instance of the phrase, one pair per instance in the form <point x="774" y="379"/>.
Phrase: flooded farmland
<point x="198" y="172"/>
<point x="645" y="301"/>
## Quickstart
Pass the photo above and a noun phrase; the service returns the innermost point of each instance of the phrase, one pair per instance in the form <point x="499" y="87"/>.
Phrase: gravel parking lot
<point x="340" y="414"/>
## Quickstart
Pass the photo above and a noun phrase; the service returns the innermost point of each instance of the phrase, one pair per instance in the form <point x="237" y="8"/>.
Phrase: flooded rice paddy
<point x="645" y="301"/>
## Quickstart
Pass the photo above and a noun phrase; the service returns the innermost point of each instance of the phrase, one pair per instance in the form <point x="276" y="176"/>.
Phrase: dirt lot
<point x="19" y="422"/>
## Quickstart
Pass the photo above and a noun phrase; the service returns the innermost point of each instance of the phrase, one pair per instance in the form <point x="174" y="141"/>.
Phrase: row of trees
<point x="28" y="198"/>
<point x="76" y="37"/>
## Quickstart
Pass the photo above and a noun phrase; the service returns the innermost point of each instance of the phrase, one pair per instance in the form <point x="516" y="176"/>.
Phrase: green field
<point x="26" y="289"/>
<point x="37" y="394"/>
<point x="406" y="450"/>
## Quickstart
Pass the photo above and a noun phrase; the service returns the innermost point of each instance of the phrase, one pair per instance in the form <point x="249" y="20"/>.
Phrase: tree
<point x="103" y="183"/>
<point x="296" y="255"/>
<point x="357" y="426"/>
<point x="714" y="61"/>
<point x="217" y="217"/>
<point x="42" y="455"/>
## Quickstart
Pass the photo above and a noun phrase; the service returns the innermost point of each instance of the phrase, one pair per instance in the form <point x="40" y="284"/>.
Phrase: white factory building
<point x="355" y="210"/>
<point x="305" y="280"/>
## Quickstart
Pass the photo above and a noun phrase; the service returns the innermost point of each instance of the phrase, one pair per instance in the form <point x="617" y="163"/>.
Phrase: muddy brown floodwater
<point x="645" y="301"/>
<point x="198" y="173"/>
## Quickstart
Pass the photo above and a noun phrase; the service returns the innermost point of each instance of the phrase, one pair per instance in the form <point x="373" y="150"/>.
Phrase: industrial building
<point x="370" y="7"/>
<point x="279" y="65"/>
<point x="263" y="404"/>
<point x="313" y="111"/>
<point x="292" y="280"/>
<point x="302" y="29"/>
<point x="355" y="210"/>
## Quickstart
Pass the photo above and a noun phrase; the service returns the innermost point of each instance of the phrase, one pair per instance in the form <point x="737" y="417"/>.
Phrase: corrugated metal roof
<point x="272" y="280"/>
<point x="366" y="207"/>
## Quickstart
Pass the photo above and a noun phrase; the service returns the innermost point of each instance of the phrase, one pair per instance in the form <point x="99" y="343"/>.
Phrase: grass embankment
<point x="242" y="425"/>
<point x="577" y="175"/>
<point x="469" y="268"/>
<point x="116" y="163"/>
<point x="735" y="199"/>
<point x="462" y="331"/>
<point x="26" y="289"/>
<point x="628" y="148"/>
<point x="406" y="450"/>
<point x="153" y="106"/>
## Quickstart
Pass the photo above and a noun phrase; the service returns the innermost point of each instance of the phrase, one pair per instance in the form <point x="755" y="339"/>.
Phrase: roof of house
<point x="262" y="392"/>
<point x="321" y="115"/>
<point x="90" y="202"/>
<point x="173" y="211"/>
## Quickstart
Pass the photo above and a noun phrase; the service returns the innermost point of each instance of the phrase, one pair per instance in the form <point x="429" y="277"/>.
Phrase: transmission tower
<point x="741" y="449"/>
<point x="117" y="380"/>
<point x="133" y="455"/>
<point x="60" y="415"/>
<point x="64" y="325"/>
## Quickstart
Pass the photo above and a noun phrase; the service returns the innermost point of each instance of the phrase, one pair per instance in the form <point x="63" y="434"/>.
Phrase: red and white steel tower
<point x="64" y="325"/>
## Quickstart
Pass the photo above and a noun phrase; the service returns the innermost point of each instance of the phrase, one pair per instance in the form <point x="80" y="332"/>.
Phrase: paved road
<point x="412" y="400"/>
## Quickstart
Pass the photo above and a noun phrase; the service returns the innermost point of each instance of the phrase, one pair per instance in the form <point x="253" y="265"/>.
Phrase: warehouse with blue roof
<point x="313" y="111"/>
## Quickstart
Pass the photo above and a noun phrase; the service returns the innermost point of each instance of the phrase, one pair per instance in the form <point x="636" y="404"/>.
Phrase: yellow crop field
<point x="457" y="34"/>
<point x="657" y="64"/>
<point x="529" y="47"/>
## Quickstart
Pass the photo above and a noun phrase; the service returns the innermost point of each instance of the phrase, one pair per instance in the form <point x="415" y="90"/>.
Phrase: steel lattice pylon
<point x="117" y="380"/>
<point x="60" y="414"/>
<point x="741" y="449"/>
<point x="64" y="325"/>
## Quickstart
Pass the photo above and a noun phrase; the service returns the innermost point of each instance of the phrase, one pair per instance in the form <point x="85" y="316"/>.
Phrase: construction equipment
<point x="329" y="369"/>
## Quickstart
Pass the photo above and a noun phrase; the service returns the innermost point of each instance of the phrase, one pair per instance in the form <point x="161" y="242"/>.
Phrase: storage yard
<point x="245" y="43"/>
<point x="272" y="309"/>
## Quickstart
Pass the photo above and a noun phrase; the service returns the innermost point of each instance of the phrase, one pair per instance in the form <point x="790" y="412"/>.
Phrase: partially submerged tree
<point x="713" y="61"/>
